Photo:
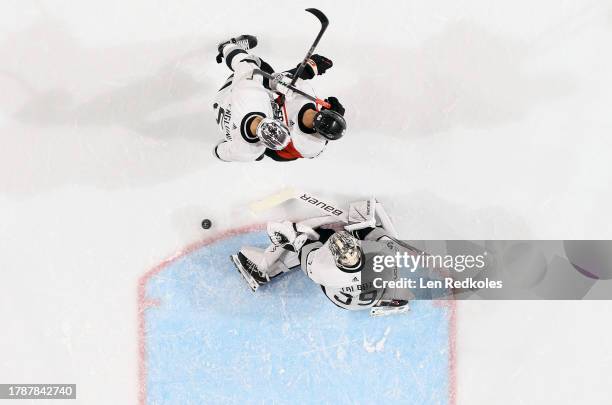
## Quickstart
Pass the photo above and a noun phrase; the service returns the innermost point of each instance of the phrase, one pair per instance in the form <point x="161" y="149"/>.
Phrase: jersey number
<point x="220" y="115"/>
<point x="365" y="298"/>
<point x="223" y="118"/>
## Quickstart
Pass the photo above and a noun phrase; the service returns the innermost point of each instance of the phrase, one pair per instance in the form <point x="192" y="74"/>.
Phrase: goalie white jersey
<point x="345" y="287"/>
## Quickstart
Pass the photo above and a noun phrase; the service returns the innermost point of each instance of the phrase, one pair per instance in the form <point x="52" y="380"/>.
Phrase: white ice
<point x="468" y="119"/>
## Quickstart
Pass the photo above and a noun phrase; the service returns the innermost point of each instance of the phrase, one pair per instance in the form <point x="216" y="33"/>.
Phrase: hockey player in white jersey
<point x="260" y="117"/>
<point x="338" y="260"/>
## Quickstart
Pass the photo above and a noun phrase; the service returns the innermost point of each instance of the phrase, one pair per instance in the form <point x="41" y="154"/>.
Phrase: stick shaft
<point x="295" y="89"/>
<point x="324" y="23"/>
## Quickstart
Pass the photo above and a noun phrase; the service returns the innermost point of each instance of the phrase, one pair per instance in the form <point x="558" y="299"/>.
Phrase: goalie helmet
<point x="273" y="134"/>
<point x="346" y="250"/>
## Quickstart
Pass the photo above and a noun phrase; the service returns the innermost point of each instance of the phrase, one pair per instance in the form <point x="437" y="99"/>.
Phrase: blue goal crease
<point x="212" y="340"/>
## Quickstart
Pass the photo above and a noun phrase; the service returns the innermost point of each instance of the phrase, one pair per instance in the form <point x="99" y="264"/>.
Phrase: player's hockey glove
<point x="316" y="65"/>
<point x="335" y="105"/>
<point x="284" y="234"/>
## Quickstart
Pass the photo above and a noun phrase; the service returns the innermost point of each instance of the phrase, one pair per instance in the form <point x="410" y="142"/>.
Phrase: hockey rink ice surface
<point x="204" y="337"/>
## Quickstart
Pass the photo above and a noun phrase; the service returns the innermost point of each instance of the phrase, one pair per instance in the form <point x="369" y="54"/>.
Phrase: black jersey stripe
<point x="246" y="123"/>
<point x="230" y="56"/>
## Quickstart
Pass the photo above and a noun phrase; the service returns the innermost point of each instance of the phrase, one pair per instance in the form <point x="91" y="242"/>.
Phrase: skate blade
<point x="247" y="277"/>
<point x="385" y="311"/>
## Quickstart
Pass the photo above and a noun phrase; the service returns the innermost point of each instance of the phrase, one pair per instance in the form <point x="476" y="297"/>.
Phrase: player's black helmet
<point x="330" y="124"/>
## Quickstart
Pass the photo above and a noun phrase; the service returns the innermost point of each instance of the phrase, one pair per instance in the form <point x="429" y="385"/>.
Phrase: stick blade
<point x="274" y="200"/>
<point x="320" y="16"/>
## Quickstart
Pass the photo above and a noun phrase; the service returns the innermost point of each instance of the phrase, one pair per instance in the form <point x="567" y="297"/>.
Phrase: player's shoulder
<point x="322" y="269"/>
<point x="246" y="100"/>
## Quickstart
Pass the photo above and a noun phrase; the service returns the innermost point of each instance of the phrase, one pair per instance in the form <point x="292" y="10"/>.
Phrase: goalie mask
<point x="346" y="250"/>
<point x="273" y="134"/>
<point x="330" y="124"/>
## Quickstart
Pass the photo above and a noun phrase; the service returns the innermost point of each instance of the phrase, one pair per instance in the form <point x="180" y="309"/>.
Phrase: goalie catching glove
<point x="284" y="234"/>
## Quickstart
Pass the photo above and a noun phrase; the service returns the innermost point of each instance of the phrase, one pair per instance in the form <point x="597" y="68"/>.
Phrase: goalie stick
<point x="358" y="216"/>
<point x="363" y="214"/>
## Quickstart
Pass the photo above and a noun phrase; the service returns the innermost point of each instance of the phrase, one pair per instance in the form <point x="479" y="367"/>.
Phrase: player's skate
<point x="253" y="276"/>
<point x="389" y="307"/>
<point x="244" y="42"/>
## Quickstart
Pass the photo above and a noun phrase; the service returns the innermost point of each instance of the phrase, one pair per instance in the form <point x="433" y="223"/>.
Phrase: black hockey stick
<point x="318" y="101"/>
<point x="324" y="23"/>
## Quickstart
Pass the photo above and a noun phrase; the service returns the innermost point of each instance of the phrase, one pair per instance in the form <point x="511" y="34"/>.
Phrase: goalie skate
<point x="248" y="277"/>
<point x="389" y="308"/>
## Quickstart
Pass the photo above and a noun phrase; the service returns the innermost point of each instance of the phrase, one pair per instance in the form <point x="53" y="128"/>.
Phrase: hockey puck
<point x="206" y="224"/>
